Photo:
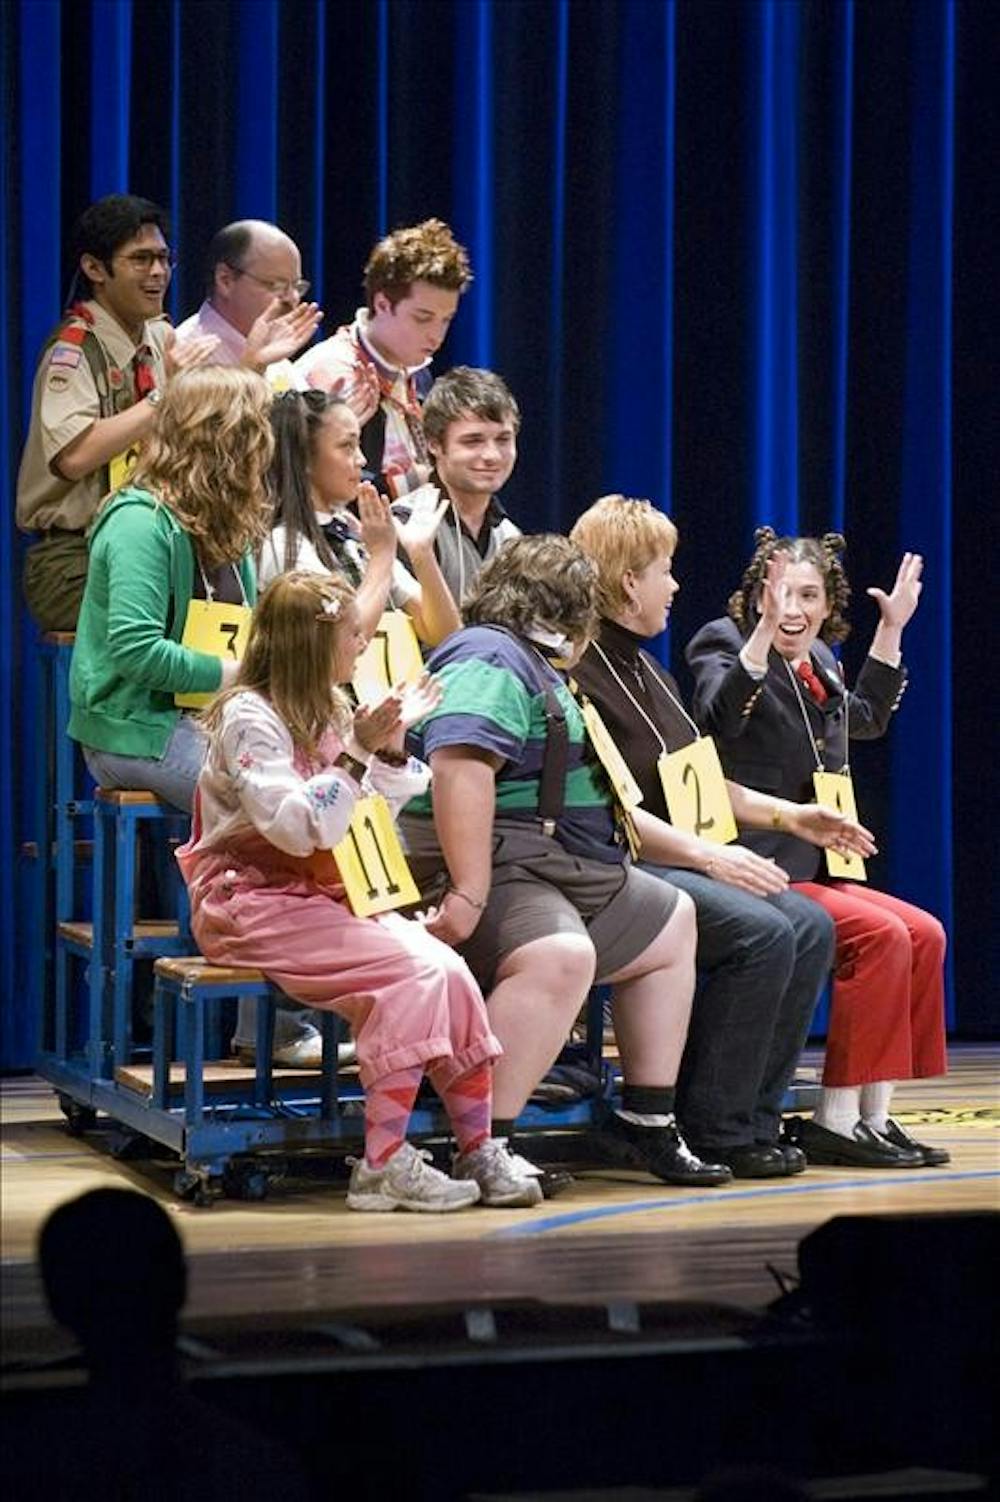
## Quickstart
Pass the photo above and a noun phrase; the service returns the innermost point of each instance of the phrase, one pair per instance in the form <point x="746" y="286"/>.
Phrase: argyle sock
<point x="839" y="1109"/>
<point x="468" y="1101"/>
<point x="388" y="1103"/>
<point x="875" y="1100"/>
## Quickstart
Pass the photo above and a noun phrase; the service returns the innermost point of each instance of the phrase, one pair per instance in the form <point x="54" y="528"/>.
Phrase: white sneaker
<point x="407" y="1181"/>
<point x="504" y="1178"/>
<point x="302" y="1053"/>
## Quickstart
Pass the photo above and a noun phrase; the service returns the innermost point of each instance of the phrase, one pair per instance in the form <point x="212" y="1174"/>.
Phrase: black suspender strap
<point x="555" y="761"/>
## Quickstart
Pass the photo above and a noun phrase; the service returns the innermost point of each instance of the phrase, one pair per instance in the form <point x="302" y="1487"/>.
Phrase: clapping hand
<point x="774" y="591"/>
<point x="185" y="356"/>
<point x="427" y="507"/>
<point x="897" y="608"/>
<point x="280" y="332"/>
<point x="360" y="391"/>
<point x="378" y="531"/>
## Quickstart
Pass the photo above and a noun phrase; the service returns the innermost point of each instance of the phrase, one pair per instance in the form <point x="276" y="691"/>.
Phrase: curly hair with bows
<point x="824" y="555"/>
<point x="291" y="654"/>
<point x="544" y="580"/>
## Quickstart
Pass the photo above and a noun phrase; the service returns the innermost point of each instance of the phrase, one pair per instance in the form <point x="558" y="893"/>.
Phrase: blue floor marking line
<point x="727" y="1196"/>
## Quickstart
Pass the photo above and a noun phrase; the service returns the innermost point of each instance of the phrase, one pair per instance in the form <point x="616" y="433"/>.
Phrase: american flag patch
<point x="65" y="354"/>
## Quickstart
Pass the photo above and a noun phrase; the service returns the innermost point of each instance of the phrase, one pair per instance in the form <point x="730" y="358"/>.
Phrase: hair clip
<point x="329" y="610"/>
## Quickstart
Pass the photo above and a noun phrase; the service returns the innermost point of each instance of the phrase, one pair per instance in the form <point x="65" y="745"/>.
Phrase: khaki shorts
<point x="539" y="889"/>
<point x="55" y="572"/>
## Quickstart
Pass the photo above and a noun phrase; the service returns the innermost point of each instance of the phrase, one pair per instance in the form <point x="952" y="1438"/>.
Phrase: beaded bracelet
<point x="479" y="906"/>
<point x="392" y="758"/>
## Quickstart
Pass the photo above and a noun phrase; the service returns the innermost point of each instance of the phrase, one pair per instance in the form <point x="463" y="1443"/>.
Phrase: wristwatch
<point x="351" y="765"/>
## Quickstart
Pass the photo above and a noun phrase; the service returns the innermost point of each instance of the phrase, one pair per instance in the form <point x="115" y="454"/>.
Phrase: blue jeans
<point x="174" y="777"/>
<point x="762" y="963"/>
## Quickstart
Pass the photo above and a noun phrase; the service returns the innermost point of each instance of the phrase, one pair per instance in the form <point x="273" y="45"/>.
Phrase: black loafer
<point x="660" y="1150"/>
<point x="748" y="1160"/>
<point x="864" y="1148"/>
<point x="795" y="1158"/>
<point x="933" y="1157"/>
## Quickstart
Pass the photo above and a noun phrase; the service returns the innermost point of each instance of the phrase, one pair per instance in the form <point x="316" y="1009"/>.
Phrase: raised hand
<point x="360" y="390"/>
<point x="192" y="352"/>
<point x="739" y="867"/>
<point x="774" y="591"/>
<point x="280" y="332"/>
<point x="830" y="829"/>
<point x="897" y="608"/>
<point x="427" y="507"/>
<point x="418" y="699"/>
<point x="378" y="529"/>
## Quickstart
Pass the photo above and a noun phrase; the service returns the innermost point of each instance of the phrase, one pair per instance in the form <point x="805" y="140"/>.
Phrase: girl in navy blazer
<point x="770" y="691"/>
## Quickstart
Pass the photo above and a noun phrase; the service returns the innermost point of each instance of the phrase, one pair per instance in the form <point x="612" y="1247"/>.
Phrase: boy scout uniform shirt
<point x="66" y="401"/>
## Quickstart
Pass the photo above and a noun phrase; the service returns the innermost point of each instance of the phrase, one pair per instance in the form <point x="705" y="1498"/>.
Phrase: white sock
<point x="875" y="1100"/>
<point x="839" y="1109"/>
<point x="647" y="1121"/>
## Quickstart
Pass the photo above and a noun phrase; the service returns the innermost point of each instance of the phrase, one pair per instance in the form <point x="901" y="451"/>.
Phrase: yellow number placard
<point x="696" y="792"/>
<point x="836" y="790"/>
<point x="121" y="466"/>
<point x="392" y="656"/>
<point x="219" y="631"/>
<point x="371" y="861"/>
<point x="624" y="785"/>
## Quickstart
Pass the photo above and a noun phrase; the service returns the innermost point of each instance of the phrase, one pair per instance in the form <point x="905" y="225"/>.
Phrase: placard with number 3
<point x="371" y="861"/>
<point x="836" y="790"/>
<point x="696" y="792"/>
<point x="217" y="630"/>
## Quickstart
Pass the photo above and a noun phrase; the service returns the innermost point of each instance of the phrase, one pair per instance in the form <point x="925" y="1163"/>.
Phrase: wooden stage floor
<point x="301" y="1258"/>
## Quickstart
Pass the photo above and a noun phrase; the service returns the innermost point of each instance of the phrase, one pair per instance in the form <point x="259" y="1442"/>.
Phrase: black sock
<point x="502" y="1126"/>
<point x="648" y="1100"/>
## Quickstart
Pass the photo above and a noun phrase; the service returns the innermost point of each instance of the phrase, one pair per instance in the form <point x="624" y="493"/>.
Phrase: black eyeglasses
<point x="277" y="286"/>
<point x="145" y="260"/>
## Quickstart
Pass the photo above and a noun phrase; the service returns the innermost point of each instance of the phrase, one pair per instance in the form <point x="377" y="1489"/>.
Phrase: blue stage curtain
<point x="733" y="256"/>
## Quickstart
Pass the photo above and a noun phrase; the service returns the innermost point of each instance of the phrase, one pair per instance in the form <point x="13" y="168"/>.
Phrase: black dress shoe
<point x="795" y="1158"/>
<point x="748" y="1160"/>
<point x="933" y="1157"/>
<point x="864" y="1148"/>
<point x="660" y="1150"/>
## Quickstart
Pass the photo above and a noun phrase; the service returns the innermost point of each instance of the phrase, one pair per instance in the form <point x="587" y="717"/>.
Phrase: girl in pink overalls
<point x="287" y="762"/>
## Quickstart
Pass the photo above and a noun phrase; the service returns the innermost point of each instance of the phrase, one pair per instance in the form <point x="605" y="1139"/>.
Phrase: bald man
<point x="255" y="304"/>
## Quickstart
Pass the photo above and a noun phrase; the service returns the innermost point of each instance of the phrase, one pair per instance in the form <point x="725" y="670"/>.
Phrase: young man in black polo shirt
<point x="471" y="422"/>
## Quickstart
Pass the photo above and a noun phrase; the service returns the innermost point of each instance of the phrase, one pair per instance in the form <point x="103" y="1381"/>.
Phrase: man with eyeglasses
<point x="255" y="304"/>
<point x="99" y="379"/>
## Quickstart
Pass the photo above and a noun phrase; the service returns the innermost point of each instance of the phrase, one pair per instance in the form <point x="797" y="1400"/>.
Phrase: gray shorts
<point x="539" y="889"/>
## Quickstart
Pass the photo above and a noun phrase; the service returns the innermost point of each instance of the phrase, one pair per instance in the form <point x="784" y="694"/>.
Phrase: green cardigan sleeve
<point x="137" y="545"/>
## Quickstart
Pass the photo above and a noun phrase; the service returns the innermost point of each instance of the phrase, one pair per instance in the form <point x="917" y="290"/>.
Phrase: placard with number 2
<point x="696" y="792"/>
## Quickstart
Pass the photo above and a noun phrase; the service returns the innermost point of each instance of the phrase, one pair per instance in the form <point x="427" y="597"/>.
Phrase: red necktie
<point x="145" y="376"/>
<point x="810" y="678"/>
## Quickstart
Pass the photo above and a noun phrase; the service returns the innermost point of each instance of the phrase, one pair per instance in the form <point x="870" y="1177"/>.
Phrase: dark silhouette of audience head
<point x="750" y="1483"/>
<point x="113" y="1270"/>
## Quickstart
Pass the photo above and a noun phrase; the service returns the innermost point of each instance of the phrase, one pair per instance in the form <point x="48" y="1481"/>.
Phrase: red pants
<point x="887" y="1016"/>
